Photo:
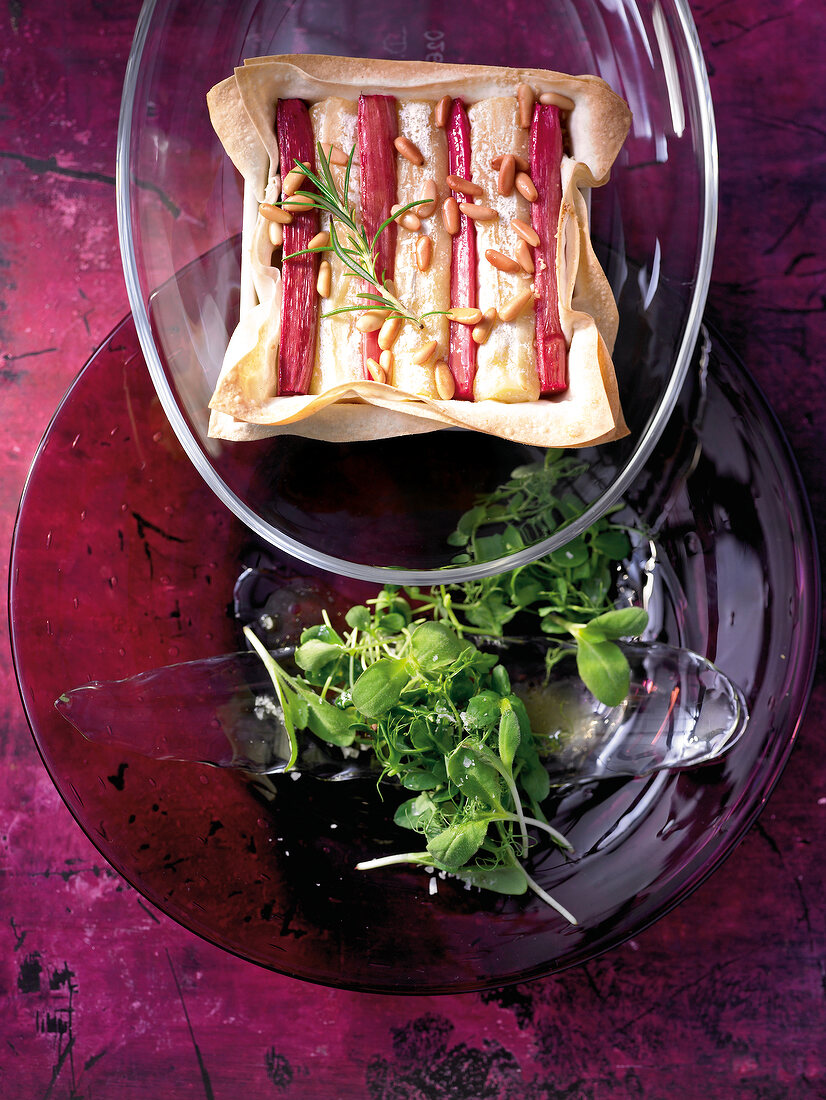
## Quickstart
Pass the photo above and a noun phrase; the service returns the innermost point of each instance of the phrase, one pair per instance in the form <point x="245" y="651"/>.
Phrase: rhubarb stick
<point x="546" y="159"/>
<point x="377" y="129"/>
<point x="462" y="358"/>
<point x="299" y="309"/>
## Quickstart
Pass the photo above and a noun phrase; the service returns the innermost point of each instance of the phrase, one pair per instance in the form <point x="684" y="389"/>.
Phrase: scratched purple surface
<point x="102" y="996"/>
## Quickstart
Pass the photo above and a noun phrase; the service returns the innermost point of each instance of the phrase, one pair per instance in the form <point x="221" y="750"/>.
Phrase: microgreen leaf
<point x="604" y="669"/>
<point x="625" y="622"/>
<point x="379" y="687"/>
<point x="457" y="844"/>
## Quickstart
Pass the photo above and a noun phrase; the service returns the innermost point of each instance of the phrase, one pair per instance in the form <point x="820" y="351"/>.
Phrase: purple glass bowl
<point x="124" y="560"/>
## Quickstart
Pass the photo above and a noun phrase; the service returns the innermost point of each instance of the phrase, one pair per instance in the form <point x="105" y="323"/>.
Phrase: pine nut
<point x="386" y="360"/>
<point x="292" y="181"/>
<point x="450" y="216"/>
<point x="441" y="112"/>
<point x="274" y="213"/>
<point x="325" y="279"/>
<point x="445" y="386"/>
<point x="430" y="194"/>
<point x="390" y="288"/>
<point x="275" y="231"/>
<point x="376" y="371"/>
<point x="409" y="220"/>
<point x="482" y="331"/>
<point x="501" y="262"/>
<point x="525" y="186"/>
<point x="478" y="212"/>
<point x="522" y="164"/>
<point x="320" y="240"/>
<point x="389" y="331"/>
<point x="554" y="99"/>
<point x="424" y="353"/>
<point x="424" y="252"/>
<point x="525" y="257"/>
<point x="408" y="150"/>
<point x="334" y="154"/>
<point x="507" y="174"/>
<point x="298" y="203"/>
<point x="465" y="187"/>
<point x="514" y="307"/>
<point x="525" y="231"/>
<point x="371" y="320"/>
<point x="525" y="99"/>
<point x="465" y="315"/>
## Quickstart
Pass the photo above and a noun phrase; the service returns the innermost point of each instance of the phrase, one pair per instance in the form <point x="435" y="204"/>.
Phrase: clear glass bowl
<point x="179" y="211"/>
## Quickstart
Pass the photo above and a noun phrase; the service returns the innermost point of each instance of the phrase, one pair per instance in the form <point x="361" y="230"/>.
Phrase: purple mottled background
<point x="104" y="997"/>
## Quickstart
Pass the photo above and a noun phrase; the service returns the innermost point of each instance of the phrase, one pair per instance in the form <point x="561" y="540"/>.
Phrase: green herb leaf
<point x="456" y="845"/>
<point x="604" y="670"/>
<point x="379" y="687"/>
<point x="509" y="734"/>
<point x="625" y="622"/>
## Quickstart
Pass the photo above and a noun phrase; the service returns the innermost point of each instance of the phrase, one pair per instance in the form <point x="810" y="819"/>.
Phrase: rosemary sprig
<point x="352" y="245"/>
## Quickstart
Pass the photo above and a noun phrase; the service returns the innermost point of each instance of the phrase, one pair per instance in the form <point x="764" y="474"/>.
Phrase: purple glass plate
<point x="123" y="560"/>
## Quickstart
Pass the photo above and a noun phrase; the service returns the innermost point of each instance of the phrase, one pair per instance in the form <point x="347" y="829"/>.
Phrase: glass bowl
<point x="180" y="212"/>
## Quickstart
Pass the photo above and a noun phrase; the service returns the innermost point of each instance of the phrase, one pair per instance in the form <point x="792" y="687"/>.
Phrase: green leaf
<point x="473" y="775"/>
<point x="501" y="880"/>
<point x="572" y="554"/>
<point x="416" y="813"/>
<point x="379" y="687"/>
<point x="358" y="618"/>
<point x="313" y="655"/>
<point x="420" y="779"/>
<point x="330" y="723"/>
<point x="624" y="622"/>
<point x="435" y="647"/>
<point x="604" y="669"/>
<point x="482" y="710"/>
<point x="614" y="544"/>
<point x="457" y="844"/>
<point x="509" y="734"/>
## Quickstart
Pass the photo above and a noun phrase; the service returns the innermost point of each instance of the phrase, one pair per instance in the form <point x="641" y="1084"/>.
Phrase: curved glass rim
<point x="388" y="574"/>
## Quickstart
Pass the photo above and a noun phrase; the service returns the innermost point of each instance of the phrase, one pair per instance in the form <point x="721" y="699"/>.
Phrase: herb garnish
<point x="356" y="251"/>
<point x="410" y="681"/>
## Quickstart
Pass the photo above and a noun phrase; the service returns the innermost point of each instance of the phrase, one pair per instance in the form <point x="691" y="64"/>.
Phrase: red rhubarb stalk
<point x="462" y="356"/>
<point x="546" y="159"/>
<point x="378" y="127"/>
<point x="299" y="308"/>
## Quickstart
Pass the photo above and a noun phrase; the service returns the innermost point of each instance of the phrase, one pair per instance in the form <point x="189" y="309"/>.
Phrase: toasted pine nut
<point x="389" y="331"/>
<point x="390" y="287"/>
<point x="522" y="164"/>
<point x="274" y="213"/>
<point x="424" y="252"/>
<point x="441" y="112"/>
<point x="292" y="181"/>
<point x="424" y="353"/>
<point x="324" y="280"/>
<point x="386" y="360"/>
<point x="525" y="231"/>
<point x="511" y="310"/>
<point x="525" y="257"/>
<point x="478" y="211"/>
<point x="320" y="240"/>
<point x="371" y="320"/>
<point x="408" y="150"/>
<point x="464" y="187"/>
<point x="298" y="203"/>
<point x="376" y="371"/>
<point x="445" y="386"/>
<point x="525" y="186"/>
<point x="501" y="262"/>
<point x="429" y="193"/>
<point x="554" y="99"/>
<point x="275" y="231"/>
<point x="334" y="154"/>
<point x="409" y="220"/>
<point x="465" y="315"/>
<point x="450" y="216"/>
<point x="507" y="174"/>
<point x="482" y="331"/>
<point x="525" y="98"/>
